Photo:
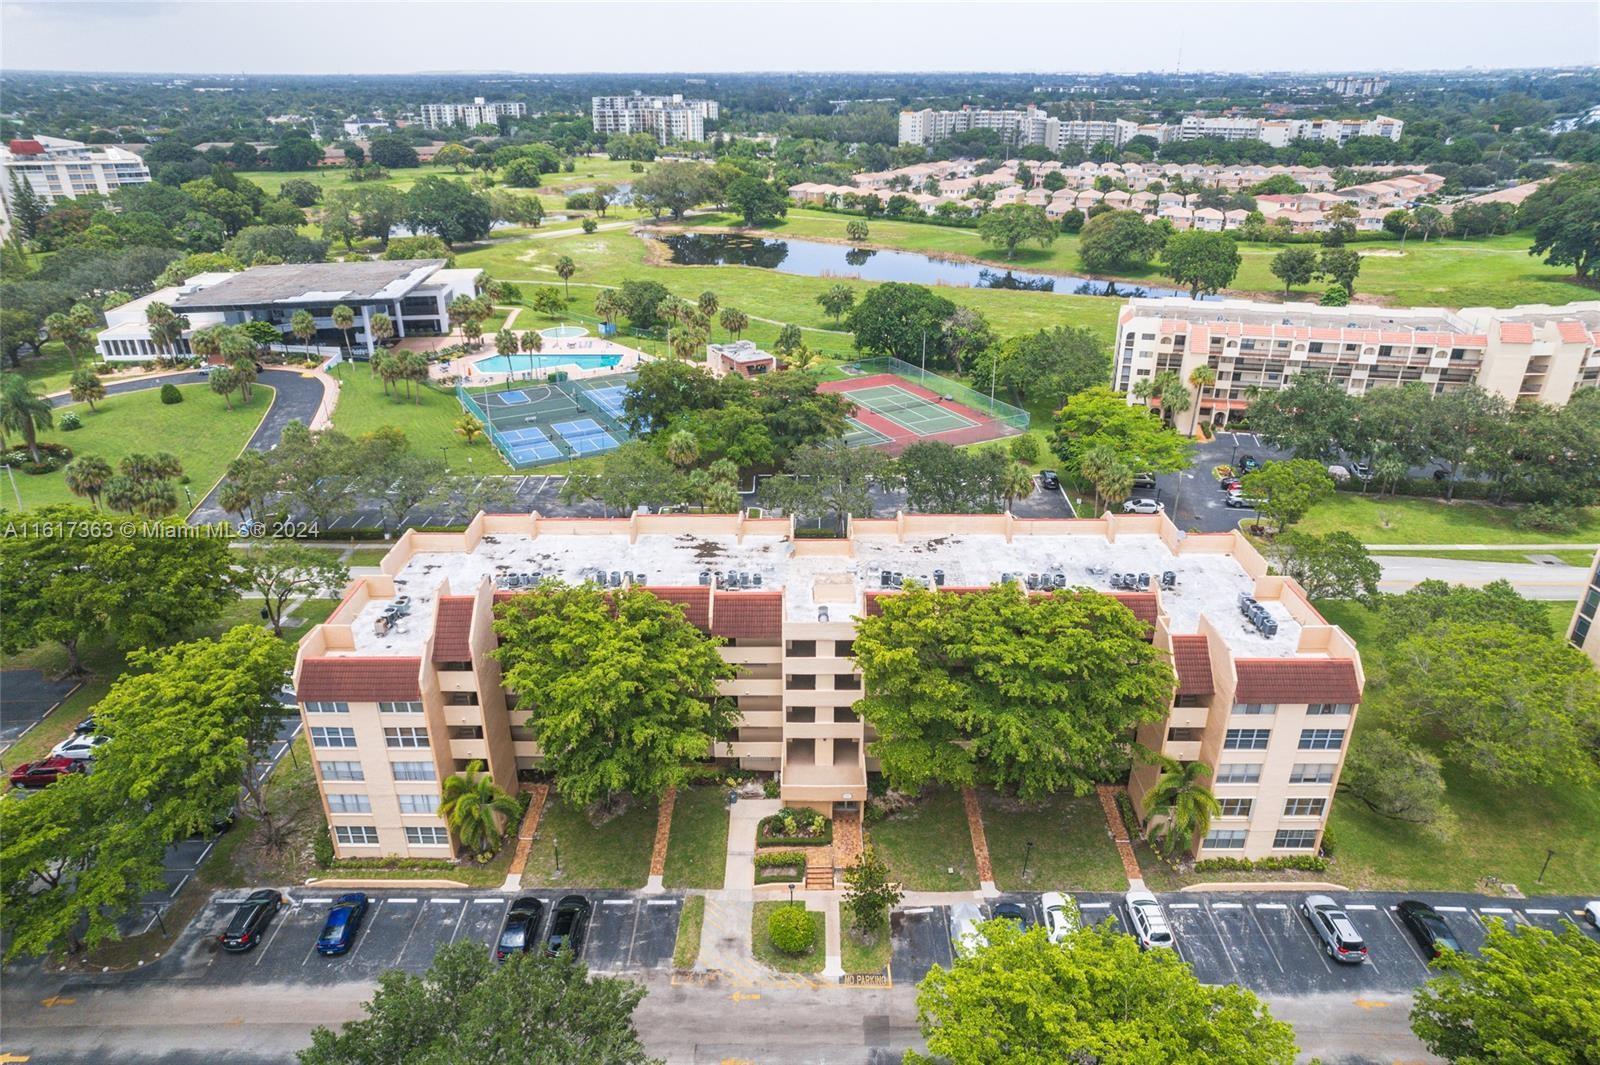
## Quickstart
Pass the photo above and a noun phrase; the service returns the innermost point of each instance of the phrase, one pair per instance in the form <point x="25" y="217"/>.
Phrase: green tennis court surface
<point x="859" y="435"/>
<point x="908" y="410"/>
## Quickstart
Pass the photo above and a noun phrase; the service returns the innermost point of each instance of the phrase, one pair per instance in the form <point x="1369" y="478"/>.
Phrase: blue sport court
<point x="609" y="399"/>
<point x="529" y="444"/>
<point x="585" y="436"/>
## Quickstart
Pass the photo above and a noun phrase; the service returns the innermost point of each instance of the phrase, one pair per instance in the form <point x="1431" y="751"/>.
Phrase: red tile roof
<point x="695" y="600"/>
<point x="1143" y="604"/>
<point x="748" y="615"/>
<point x="1516" y="333"/>
<point x="1296" y="680"/>
<point x="1573" y="332"/>
<point x="1191" y="657"/>
<point x="450" y="635"/>
<point x="356" y="679"/>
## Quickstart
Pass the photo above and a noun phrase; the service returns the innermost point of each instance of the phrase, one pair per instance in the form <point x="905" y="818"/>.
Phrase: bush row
<point x="780" y="867"/>
<point x="1428" y="488"/>
<point x="1310" y="863"/>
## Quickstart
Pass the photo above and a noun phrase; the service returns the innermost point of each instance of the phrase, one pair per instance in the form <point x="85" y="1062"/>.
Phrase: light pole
<point x="1548" y="854"/>
<point x="791" y="894"/>
<point x="556" y="842"/>
<point x="1026" y="854"/>
<point x="15" y="491"/>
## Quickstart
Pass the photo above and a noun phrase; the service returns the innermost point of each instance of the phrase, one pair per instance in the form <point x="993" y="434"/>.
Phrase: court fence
<point x="520" y="455"/>
<point x="1002" y="412"/>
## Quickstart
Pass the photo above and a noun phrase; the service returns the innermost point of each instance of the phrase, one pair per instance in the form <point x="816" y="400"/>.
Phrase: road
<point x="1555" y="581"/>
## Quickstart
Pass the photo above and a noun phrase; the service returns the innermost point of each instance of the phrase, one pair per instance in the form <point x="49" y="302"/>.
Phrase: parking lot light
<point x="1026" y="854"/>
<point x="1548" y="854"/>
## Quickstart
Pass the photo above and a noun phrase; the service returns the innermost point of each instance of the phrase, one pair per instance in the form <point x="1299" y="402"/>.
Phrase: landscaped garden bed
<point x="794" y="827"/>
<point x="780" y="867"/>
<point x="810" y="959"/>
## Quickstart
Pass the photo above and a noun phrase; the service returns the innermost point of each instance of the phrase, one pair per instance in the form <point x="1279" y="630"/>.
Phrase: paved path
<point x="298" y="398"/>
<point x="1553" y="582"/>
<point x="1536" y="548"/>
<point x="26" y="696"/>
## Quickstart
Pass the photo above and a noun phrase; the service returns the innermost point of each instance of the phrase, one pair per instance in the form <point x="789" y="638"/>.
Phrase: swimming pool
<point x="527" y="363"/>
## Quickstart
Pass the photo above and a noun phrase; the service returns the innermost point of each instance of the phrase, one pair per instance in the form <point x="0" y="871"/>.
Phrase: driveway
<point x="298" y="397"/>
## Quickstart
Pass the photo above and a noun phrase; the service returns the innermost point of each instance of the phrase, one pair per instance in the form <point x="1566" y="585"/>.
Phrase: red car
<point x="43" y="772"/>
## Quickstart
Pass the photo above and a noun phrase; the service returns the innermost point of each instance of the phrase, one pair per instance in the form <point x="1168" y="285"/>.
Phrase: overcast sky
<point x="391" y="37"/>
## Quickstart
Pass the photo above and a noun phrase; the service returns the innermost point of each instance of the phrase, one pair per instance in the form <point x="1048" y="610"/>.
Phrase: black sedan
<point x="1427" y="927"/>
<point x="344" y="921"/>
<point x="568" y="924"/>
<point x="1013" y="912"/>
<point x="521" y="930"/>
<point x="250" y="921"/>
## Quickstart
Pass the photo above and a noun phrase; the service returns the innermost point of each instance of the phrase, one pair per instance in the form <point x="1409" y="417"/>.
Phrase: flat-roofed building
<point x="1584" y="632"/>
<point x="1532" y="353"/>
<point x="669" y="118"/>
<point x="739" y="357"/>
<point x="57" y="169"/>
<point x="478" y="113"/>
<point x="400" y="689"/>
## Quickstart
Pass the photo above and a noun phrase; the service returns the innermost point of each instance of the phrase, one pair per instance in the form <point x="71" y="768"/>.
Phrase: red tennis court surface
<point x="978" y="426"/>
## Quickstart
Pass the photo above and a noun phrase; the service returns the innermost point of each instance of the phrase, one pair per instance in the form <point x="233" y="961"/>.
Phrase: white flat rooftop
<point x="1208" y="584"/>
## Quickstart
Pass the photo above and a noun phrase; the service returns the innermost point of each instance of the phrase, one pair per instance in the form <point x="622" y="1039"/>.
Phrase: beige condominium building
<point x="1533" y="353"/>
<point x="399" y="688"/>
<point x="1584" y="632"/>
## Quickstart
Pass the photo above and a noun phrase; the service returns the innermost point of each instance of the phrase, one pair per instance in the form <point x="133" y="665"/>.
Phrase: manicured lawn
<point x="201" y="431"/>
<point x="366" y="556"/>
<point x="761" y="943"/>
<point x="864" y="956"/>
<point x="427" y="417"/>
<point x="1500" y="832"/>
<point x="1576" y="557"/>
<point x="928" y="847"/>
<point x="686" y="951"/>
<point x="1427" y="521"/>
<point x="697" y="851"/>
<point x="615" y="854"/>
<point x="51" y="371"/>
<point x="1072" y="851"/>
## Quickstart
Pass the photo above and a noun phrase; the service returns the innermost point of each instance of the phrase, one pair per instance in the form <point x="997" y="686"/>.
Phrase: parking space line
<point x="1183" y="905"/>
<point x="633" y="935"/>
<point x="1227" y="905"/>
<point x="277" y="926"/>
<point x="397" y="901"/>
<point x="488" y="902"/>
<point x="1451" y="909"/>
<point x="1406" y="936"/>
<point x="1497" y="909"/>
<point x="174" y="892"/>
<point x="1081" y="906"/>
<point x="1271" y="906"/>
<point x="1223" y="943"/>
<point x="1302" y="922"/>
<point x="1360" y="906"/>
<point x="929" y="909"/>
<point x="662" y="902"/>
<point x="446" y="902"/>
<point x="316" y="902"/>
<point x="1267" y="940"/>
<point x="459" y="918"/>
<point x="616" y="902"/>
<point x="1547" y="913"/>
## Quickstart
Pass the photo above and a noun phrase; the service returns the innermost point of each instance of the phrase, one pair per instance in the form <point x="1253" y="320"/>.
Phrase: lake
<point x="811" y="258"/>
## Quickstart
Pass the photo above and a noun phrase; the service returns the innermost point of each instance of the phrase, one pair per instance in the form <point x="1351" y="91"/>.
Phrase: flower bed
<point x="780" y="867"/>
<point x="796" y="827"/>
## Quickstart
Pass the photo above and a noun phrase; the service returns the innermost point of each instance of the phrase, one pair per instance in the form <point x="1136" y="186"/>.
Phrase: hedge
<point x="768" y="861"/>
<point x="1309" y="863"/>
<point x="1428" y="488"/>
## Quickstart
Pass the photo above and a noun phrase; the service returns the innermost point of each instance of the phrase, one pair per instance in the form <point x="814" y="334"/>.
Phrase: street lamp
<point x="1026" y="854"/>
<point x="791" y="894"/>
<point x="1548" y="854"/>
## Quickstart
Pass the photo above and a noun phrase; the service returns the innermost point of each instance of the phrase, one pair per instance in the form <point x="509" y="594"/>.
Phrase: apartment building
<point x="670" y="118"/>
<point x="399" y="689"/>
<point x="1533" y="353"/>
<point x="1351" y="85"/>
<point x="415" y="294"/>
<point x="1279" y="132"/>
<point x="1584" y="633"/>
<point x="477" y="113"/>
<point x="1033" y="126"/>
<point x="59" y="169"/>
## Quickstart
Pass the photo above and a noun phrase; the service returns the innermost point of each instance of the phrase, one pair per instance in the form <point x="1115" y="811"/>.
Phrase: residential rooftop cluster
<point x="1035" y="126"/>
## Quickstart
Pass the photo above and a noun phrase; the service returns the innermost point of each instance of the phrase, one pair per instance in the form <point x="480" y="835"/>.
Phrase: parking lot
<point x="404" y="929"/>
<point x="1261" y="941"/>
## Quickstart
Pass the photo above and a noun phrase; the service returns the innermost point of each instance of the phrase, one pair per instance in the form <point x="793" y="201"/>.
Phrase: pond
<point x="812" y="258"/>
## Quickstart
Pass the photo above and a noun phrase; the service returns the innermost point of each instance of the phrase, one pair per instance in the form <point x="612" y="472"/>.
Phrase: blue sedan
<point x="344" y="920"/>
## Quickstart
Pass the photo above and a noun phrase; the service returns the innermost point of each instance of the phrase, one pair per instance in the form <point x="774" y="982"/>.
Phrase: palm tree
<point x="468" y="428"/>
<point x="1105" y="471"/>
<point x="565" y="268"/>
<point x="682" y="449"/>
<point x="344" y="319"/>
<point x="1016" y="483"/>
<point x="304" y="327"/>
<point x="1182" y="799"/>
<point x="506" y="342"/>
<point x="64" y="330"/>
<point x="608" y="305"/>
<point x="86" y="387"/>
<point x="87" y="476"/>
<point x="381" y="326"/>
<point x="802" y="357"/>
<point x="234" y="497"/>
<point x="224" y="379"/>
<point x="476" y="809"/>
<point x="734" y="321"/>
<point x="707" y="303"/>
<point x="166" y="328"/>
<point x="207" y="343"/>
<point x="1201" y="378"/>
<point x="22" y="410"/>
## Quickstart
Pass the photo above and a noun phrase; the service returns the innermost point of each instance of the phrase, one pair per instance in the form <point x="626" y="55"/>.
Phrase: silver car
<point x="965" y="917"/>
<point x="1333" y="926"/>
<point x="1148" y="921"/>
<point x="1061" y="917"/>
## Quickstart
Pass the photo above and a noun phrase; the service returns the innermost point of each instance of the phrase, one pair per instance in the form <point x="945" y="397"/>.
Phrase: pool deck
<point x="465" y="368"/>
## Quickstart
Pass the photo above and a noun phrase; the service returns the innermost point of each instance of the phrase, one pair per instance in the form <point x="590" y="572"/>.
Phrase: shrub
<point x="780" y="867"/>
<point x="771" y="788"/>
<point x="322" y="847"/>
<point x="70" y="421"/>
<point x="51" y="458"/>
<point x="1309" y="863"/>
<point x="797" y="825"/>
<point x="170" y="394"/>
<point x="1130" y="820"/>
<point x="590" y="225"/>
<point x="790" y="929"/>
<point x="1548" y="517"/>
<point x="1025" y="448"/>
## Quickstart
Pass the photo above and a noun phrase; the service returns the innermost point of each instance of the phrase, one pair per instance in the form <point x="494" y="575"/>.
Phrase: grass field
<point x="686" y="949"/>
<point x="928" y="847"/>
<point x="1426" y="521"/>
<point x="1500" y="832"/>
<point x="697" y="850"/>
<point x="869" y="954"/>
<point x="50" y="371"/>
<point x="1072" y="851"/>
<point x="762" y="947"/>
<point x="614" y="854"/>
<point x="201" y="431"/>
<point x="428" y="419"/>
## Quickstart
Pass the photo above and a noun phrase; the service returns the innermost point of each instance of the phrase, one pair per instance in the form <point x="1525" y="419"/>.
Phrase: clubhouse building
<point x="414" y="293"/>
<point x="399" y="688"/>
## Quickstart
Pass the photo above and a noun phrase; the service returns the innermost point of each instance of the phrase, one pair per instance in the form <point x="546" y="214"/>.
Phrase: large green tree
<point x="1050" y="364"/>
<point x="448" y="209"/>
<point x="1036" y="693"/>
<point x="1313" y="416"/>
<point x="1529" y="996"/>
<point x="622" y="688"/>
<point x="1010" y="226"/>
<point x="543" y="1011"/>
<point x="1288" y="489"/>
<point x="1120" y="240"/>
<point x="1565" y="216"/>
<point x="898" y="319"/>
<point x="1202" y="261"/>
<point x="828" y="480"/>
<point x="1099" y="417"/>
<point x="756" y="201"/>
<point x="282" y="571"/>
<point x="1334" y="566"/>
<point x="1096" y="998"/>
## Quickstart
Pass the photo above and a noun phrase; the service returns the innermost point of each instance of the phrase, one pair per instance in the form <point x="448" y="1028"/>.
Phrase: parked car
<point x="250" y="920"/>
<point x="86" y="725"/>
<point x="1230" y="484"/>
<point x="43" y="772"/>
<point x="1591" y="910"/>
<point x="1145" y="481"/>
<point x="521" y="929"/>
<point x="1060" y="916"/>
<point x="1049" y="480"/>
<point x="1248" y="463"/>
<point x="1334" y="927"/>
<point x="1012" y="911"/>
<point x="344" y="921"/>
<point x="1427" y="927"/>
<point x="1239" y="501"/>
<point x="569" y="921"/>
<point x="1361" y="470"/>
<point x="1148" y="921"/>
<point x="965" y="917"/>
<point x="79" y="746"/>
<point x="1143" y="506"/>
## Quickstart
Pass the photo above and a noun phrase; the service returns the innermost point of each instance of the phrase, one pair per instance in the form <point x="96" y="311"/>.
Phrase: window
<point x="419" y="804"/>
<point x="1304" y="807"/>
<point x="1234" y="807"/>
<point x="1238" y="773"/>
<point x="1178" y="734"/>
<point x="1248" y="739"/>
<point x="1190" y="701"/>
<point x="427" y="836"/>
<point x="341" y="771"/>
<point x="846" y="682"/>
<point x="1321" y="739"/>
<point x="1255" y="708"/>
<point x="1311" y="773"/>
<point x="844" y="648"/>
<point x="332" y="737"/>
<point x="349" y="804"/>
<point x="400" y="708"/>
<point x="455" y="667"/>
<point x="803" y="682"/>
<point x="466" y="732"/>
<point x="405" y="736"/>
<point x="1327" y="709"/>
<point x="414" y="771"/>
<point x="1224" y="839"/>
<point x="1295" y="839"/>
<point x="460" y="699"/>
<point x="802" y="648"/>
<point x="327" y="708"/>
<point x="356" y="835"/>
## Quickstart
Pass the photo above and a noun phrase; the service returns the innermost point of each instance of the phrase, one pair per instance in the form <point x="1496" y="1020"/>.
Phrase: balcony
<point x="745" y="686"/>
<point x="804" y="777"/>
<point x="1182" y="750"/>
<point x="467" y="750"/>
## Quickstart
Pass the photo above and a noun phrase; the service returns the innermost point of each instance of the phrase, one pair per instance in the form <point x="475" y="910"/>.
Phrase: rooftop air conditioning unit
<point x="822" y="613"/>
<point x="938" y="578"/>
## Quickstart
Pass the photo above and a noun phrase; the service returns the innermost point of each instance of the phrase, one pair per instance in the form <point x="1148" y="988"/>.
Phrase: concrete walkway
<point x="1481" y="547"/>
<point x="725" y="935"/>
<point x="1553" y="582"/>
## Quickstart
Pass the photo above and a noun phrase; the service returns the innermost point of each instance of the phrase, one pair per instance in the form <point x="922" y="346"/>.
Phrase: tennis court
<point x="909" y="410"/>
<point x="585" y="436"/>
<point x="861" y="435"/>
<point x="529" y="445"/>
<point x="533" y="425"/>
<point x="609" y="399"/>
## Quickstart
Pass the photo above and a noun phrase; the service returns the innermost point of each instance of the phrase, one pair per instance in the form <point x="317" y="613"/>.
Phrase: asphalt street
<point x="26" y="696"/>
<point x="1554" y="580"/>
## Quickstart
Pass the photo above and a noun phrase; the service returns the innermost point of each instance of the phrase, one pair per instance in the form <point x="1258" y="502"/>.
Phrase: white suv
<point x="1147" y="921"/>
<point x="1060" y="916"/>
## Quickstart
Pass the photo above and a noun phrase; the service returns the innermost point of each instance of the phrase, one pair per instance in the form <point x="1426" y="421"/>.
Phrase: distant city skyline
<point x="300" y="38"/>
